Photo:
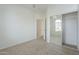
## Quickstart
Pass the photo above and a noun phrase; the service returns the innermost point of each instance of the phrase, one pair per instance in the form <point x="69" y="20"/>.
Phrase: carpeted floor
<point x="38" y="47"/>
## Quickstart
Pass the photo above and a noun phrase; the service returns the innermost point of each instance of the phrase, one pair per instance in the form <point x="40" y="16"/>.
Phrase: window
<point x="58" y="25"/>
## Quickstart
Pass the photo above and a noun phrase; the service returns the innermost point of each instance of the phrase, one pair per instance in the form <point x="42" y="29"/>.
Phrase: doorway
<point x="40" y="29"/>
<point x="56" y="29"/>
<point x="70" y="29"/>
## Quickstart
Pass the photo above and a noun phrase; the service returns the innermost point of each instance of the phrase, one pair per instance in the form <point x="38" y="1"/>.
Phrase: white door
<point x="70" y="28"/>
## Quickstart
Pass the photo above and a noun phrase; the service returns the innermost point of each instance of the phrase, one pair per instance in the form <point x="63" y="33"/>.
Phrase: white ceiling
<point x="37" y="7"/>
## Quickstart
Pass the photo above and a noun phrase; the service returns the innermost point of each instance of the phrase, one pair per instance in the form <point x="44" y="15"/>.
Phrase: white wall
<point x="17" y="25"/>
<point x="57" y="9"/>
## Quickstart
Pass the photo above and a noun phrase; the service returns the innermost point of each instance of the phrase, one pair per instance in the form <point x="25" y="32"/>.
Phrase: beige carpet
<point x="37" y="47"/>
